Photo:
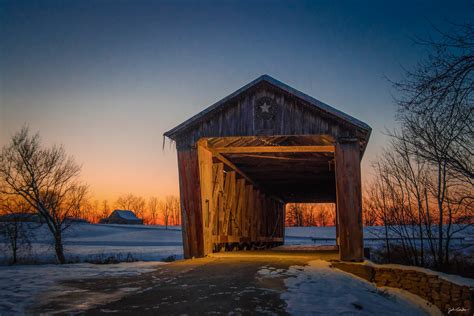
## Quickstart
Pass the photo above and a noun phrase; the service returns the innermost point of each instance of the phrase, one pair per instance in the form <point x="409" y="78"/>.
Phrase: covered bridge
<point x="243" y="158"/>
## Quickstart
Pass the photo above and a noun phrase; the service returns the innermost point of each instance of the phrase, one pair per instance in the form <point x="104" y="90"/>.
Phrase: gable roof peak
<point x="278" y="84"/>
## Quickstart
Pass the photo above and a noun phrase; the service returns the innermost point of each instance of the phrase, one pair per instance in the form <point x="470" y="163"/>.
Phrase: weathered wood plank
<point x="218" y="182"/>
<point x="274" y="149"/>
<point x="190" y="201"/>
<point x="249" y="210"/>
<point x="236" y="239"/>
<point x="229" y="201"/>
<point x="237" y="170"/>
<point x="207" y="190"/>
<point x="238" y="223"/>
<point x="235" y="116"/>
<point x="349" y="201"/>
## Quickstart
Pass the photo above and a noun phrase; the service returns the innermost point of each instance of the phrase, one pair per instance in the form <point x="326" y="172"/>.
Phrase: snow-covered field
<point x="373" y="236"/>
<point x="21" y="285"/>
<point x="96" y="243"/>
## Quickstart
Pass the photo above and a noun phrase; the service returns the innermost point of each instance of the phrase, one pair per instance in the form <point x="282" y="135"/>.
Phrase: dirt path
<point x="226" y="283"/>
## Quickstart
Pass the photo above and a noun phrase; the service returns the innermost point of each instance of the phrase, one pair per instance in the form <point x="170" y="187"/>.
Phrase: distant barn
<point x="123" y="217"/>
<point x="267" y="144"/>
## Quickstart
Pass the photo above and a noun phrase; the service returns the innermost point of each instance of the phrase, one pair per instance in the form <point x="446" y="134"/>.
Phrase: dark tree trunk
<point x="58" y="247"/>
<point x="14" y="242"/>
<point x="14" y="251"/>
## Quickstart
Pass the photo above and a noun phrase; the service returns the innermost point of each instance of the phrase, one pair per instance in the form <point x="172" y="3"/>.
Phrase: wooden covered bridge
<point x="243" y="158"/>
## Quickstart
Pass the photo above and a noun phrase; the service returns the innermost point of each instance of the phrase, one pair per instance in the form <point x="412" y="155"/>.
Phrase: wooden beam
<point x="240" y="172"/>
<point x="274" y="149"/>
<point x="274" y="157"/>
<point x="349" y="201"/>
<point x="207" y="188"/>
<point x="190" y="198"/>
<point x="232" y="166"/>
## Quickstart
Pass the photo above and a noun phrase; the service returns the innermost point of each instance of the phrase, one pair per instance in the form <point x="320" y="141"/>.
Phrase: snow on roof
<point x="126" y="214"/>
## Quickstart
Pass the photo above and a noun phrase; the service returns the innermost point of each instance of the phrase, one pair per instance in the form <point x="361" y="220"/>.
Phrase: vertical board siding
<point x="219" y="207"/>
<point x="293" y="117"/>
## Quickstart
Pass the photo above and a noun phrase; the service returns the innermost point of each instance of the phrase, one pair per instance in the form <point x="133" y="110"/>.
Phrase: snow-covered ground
<point x="373" y="235"/>
<point x="96" y="243"/>
<point x="374" y="238"/>
<point x="319" y="289"/>
<point x="22" y="285"/>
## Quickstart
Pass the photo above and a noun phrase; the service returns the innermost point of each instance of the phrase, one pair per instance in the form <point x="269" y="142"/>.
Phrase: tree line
<point x="153" y="211"/>
<point x="310" y="214"/>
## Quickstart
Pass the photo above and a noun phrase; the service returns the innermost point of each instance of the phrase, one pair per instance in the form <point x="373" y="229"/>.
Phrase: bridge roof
<point x="216" y="107"/>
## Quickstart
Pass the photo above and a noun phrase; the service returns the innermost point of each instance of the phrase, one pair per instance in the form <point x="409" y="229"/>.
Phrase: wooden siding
<point x="292" y="117"/>
<point x="234" y="212"/>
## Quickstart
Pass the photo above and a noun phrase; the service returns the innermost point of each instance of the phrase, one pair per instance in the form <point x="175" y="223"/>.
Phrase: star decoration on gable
<point x="265" y="108"/>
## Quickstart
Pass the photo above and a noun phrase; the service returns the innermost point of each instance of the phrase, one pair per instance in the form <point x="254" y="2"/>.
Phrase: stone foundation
<point x="428" y="285"/>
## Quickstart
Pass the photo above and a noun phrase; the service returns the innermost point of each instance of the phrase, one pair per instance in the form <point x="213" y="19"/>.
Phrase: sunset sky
<point x="107" y="78"/>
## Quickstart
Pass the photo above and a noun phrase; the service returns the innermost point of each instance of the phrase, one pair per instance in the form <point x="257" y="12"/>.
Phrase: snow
<point x="373" y="235"/>
<point x="310" y="231"/>
<point x="318" y="289"/>
<point x="333" y="290"/>
<point x="22" y="284"/>
<point x="95" y="243"/>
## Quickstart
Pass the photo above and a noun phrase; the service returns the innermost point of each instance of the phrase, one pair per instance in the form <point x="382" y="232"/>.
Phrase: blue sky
<point x="107" y="78"/>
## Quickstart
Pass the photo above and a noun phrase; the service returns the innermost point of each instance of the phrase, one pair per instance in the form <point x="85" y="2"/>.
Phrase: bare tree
<point x="324" y="214"/>
<point x="138" y="206"/>
<point x="170" y="211"/>
<point x="370" y="213"/>
<point x="294" y="214"/>
<point x="394" y="201"/>
<point x="173" y="201"/>
<point x="46" y="178"/>
<point x="436" y="113"/>
<point x="133" y="203"/>
<point x="405" y="198"/>
<point x="88" y="211"/>
<point x="165" y="213"/>
<point x="125" y="201"/>
<point x="310" y="214"/>
<point x="153" y="208"/>
<point x="15" y="229"/>
<point x="105" y="210"/>
<point x="437" y="101"/>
